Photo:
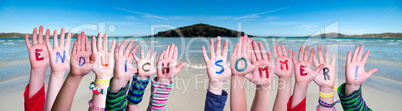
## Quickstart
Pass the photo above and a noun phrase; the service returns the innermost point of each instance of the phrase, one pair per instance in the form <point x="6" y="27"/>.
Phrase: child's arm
<point x="218" y="72"/>
<point x="167" y="68"/>
<point x="261" y="76"/>
<point x="304" y="75"/>
<point x="326" y="79"/>
<point x="82" y="62"/>
<point x="103" y="69"/>
<point x="60" y="63"/>
<point x="145" y="69"/>
<point x="34" y="95"/>
<point x="355" y="77"/>
<point x="284" y="71"/>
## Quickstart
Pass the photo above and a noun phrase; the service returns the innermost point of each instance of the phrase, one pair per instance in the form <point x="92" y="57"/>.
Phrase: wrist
<point x="142" y="77"/>
<point x="104" y="76"/>
<point x="350" y="88"/>
<point x="38" y="71"/>
<point x="301" y="85"/>
<point x="327" y="89"/>
<point x="163" y="80"/>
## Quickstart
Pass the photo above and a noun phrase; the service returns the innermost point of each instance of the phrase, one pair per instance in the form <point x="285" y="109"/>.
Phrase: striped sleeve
<point x="352" y="102"/>
<point x="116" y="101"/>
<point x="159" y="95"/>
<point x="136" y="90"/>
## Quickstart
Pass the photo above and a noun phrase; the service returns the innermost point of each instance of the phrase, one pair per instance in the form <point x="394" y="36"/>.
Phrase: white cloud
<point x="130" y="18"/>
<point x="145" y="15"/>
<point x="270" y="18"/>
<point x="256" y="15"/>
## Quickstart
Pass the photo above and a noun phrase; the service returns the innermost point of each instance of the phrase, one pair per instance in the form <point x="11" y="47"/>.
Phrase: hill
<point x="200" y="30"/>
<point x="381" y="35"/>
<point x="21" y="35"/>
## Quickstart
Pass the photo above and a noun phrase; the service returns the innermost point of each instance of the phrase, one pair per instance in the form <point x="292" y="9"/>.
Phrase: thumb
<point x="371" y="72"/>
<point x="249" y="76"/>
<point x="92" y="59"/>
<point x="181" y="65"/>
<point x="316" y="71"/>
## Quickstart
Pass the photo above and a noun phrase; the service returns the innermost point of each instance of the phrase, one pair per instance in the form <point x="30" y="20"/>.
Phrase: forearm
<point x="99" y="100"/>
<point x="238" y="100"/>
<point x="36" y="80"/>
<point x="329" y="100"/>
<point x="136" y="92"/>
<point x="215" y="87"/>
<point x="353" y="101"/>
<point x="261" y="98"/>
<point x="55" y="83"/>
<point x="283" y="94"/>
<point x="299" y="93"/>
<point x="66" y="95"/>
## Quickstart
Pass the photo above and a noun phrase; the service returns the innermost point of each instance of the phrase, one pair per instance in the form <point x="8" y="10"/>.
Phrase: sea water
<point x="385" y="54"/>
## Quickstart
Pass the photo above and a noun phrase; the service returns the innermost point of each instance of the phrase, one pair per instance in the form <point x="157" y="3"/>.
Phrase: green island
<point x="206" y="30"/>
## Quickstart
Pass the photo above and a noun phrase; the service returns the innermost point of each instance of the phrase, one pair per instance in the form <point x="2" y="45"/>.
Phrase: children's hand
<point x="239" y="62"/>
<point x="326" y="77"/>
<point x="145" y="65"/>
<point x="303" y="72"/>
<point x="82" y="61"/>
<point x="217" y="68"/>
<point x="264" y="73"/>
<point x="38" y="53"/>
<point x="104" y="65"/>
<point x="283" y="62"/>
<point x="59" y="55"/>
<point x="124" y="70"/>
<point x="355" y="73"/>
<point x="167" y="66"/>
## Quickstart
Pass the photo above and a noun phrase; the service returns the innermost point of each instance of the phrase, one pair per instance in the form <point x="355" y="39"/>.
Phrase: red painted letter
<point x="264" y="69"/>
<point x="37" y="54"/>
<point x="302" y="73"/>
<point x="102" y="62"/>
<point x="284" y="63"/>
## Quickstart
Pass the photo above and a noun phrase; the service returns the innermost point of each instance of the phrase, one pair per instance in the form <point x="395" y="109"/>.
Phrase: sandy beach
<point x="190" y="89"/>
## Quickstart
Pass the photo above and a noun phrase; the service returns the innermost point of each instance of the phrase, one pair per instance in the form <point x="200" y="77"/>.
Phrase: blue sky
<point x="277" y="17"/>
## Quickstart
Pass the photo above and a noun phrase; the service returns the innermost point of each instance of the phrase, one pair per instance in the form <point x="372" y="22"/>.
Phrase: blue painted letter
<point x="216" y="63"/>
<point x="59" y="56"/>
<point x="79" y="62"/>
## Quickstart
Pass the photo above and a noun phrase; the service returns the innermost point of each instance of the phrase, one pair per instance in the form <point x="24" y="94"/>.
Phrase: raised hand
<point x="145" y="65"/>
<point x="59" y="54"/>
<point x="38" y="53"/>
<point x="82" y="61"/>
<point x="240" y="60"/>
<point x="355" y="73"/>
<point x="303" y="70"/>
<point x="104" y="65"/>
<point x="124" y="70"/>
<point x="326" y="77"/>
<point x="264" y="73"/>
<point x="283" y="62"/>
<point x="167" y="66"/>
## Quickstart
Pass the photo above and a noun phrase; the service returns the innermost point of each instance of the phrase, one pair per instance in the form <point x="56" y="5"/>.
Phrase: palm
<point x="146" y="66"/>
<point x="283" y="62"/>
<point x="82" y="61"/>
<point x="263" y="74"/>
<point x="213" y="69"/>
<point x="240" y="64"/>
<point x="124" y="71"/>
<point x="300" y="78"/>
<point x="104" y="63"/>
<point x="326" y="77"/>
<point x="351" y="73"/>
<point x="303" y="69"/>
<point x="167" y="66"/>
<point x="59" y="66"/>
<point x="41" y="63"/>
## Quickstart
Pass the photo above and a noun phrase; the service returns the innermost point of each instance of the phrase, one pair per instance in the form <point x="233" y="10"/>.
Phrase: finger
<point x="40" y="39"/>
<point x="235" y="51"/>
<point x="253" y="56"/>
<point x="326" y="55"/>
<point x="348" y="59"/>
<point x="153" y="57"/>
<point x="104" y="46"/>
<point x="122" y="46"/>
<point x="245" y="45"/>
<point x="306" y="53"/>
<point x="204" y="54"/>
<point x="275" y="50"/>
<point x="257" y="52"/>
<point x="225" y="50"/>
<point x="371" y="72"/>
<point x="284" y="50"/>
<point x="359" y="55"/>
<point x="135" y="51"/>
<point x="79" y="42"/>
<point x="128" y="48"/>
<point x="162" y="55"/>
<point x="301" y="54"/>
<point x="113" y="45"/>
<point x="49" y="47"/>
<point x="354" y="57"/>
<point x="142" y="53"/>
<point x="34" y="34"/>
<point x="211" y="49"/>
<point x="333" y="59"/>
<point x="181" y="65"/>
<point x="262" y="51"/>
<point x="167" y="51"/>
<point x="239" y="50"/>
<point x="149" y="53"/>
<point x="82" y="41"/>
<point x="364" y="60"/>
<point x="278" y="48"/>
<point x="172" y="48"/>
<point x="218" y="46"/>
<point x="320" y="55"/>
<point x="98" y="42"/>
<point x="316" y="63"/>
<point x="27" y="41"/>
<point x="61" y="44"/>
<point x="270" y="57"/>
<point x="55" y="44"/>
<point x="312" y="56"/>
<point x="68" y="40"/>
<point x="93" y="44"/>
<point x="294" y="57"/>
<point x="316" y="71"/>
<point x="175" y="54"/>
<point x="116" y="53"/>
<point x="87" y="45"/>
<point x="74" y="48"/>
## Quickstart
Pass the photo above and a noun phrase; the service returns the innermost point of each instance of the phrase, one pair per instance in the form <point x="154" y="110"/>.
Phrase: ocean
<point x="385" y="53"/>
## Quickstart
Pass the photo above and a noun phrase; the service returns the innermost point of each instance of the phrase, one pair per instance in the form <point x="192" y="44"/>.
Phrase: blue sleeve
<point x="215" y="102"/>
